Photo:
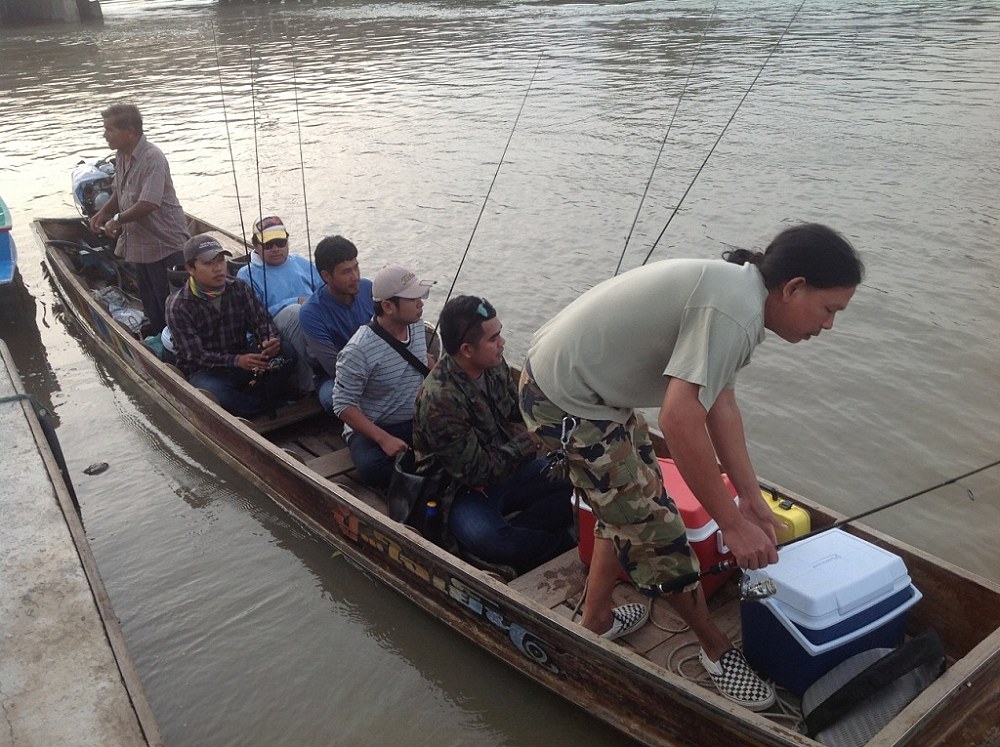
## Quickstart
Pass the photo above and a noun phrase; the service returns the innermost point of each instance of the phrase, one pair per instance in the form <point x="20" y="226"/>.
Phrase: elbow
<point x="669" y="426"/>
<point x="677" y="424"/>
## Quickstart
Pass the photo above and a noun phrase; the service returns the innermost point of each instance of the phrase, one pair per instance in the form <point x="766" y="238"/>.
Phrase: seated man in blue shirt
<point x="283" y="282"/>
<point x="225" y="341"/>
<point x="335" y="311"/>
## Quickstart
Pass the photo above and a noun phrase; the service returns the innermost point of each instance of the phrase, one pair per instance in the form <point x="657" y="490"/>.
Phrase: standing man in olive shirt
<point x="143" y="213"/>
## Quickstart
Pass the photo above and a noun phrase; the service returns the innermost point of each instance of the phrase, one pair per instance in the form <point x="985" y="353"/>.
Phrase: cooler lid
<point x="833" y="575"/>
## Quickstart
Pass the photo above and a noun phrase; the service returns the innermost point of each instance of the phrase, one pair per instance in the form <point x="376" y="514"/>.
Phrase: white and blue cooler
<point x="837" y="595"/>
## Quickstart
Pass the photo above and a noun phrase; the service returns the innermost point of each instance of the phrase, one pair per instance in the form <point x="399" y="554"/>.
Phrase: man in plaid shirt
<point x="225" y="341"/>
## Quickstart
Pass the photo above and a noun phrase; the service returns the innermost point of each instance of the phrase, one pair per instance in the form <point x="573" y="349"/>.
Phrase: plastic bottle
<point x="432" y="523"/>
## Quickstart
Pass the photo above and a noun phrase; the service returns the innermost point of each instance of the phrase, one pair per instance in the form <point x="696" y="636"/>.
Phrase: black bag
<point x="851" y="703"/>
<point x="411" y="485"/>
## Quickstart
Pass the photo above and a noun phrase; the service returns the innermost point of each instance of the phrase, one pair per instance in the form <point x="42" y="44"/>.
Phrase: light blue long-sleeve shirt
<point x="286" y="283"/>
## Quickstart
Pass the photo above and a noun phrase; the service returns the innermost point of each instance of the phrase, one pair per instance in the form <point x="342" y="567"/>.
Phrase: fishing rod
<point x="302" y="170"/>
<point x="229" y="140"/>
<point x="839" y="523"/>
<point x="490" y="190"/>
<point x="680" y="202"/>
<point x="260" y="199"/>
<point x="755" y="588"/>
<point x="665" y="136"/>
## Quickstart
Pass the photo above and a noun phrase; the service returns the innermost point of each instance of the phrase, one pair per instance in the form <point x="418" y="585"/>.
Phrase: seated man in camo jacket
<point x="467" y="417"/>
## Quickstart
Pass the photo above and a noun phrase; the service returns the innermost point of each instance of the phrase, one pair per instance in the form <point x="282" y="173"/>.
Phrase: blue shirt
<point x="285" y="283"/>
<point x="328" y="323"/>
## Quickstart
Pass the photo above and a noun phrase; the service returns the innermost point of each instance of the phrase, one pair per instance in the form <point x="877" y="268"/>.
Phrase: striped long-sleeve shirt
<point x="376" y="379"/>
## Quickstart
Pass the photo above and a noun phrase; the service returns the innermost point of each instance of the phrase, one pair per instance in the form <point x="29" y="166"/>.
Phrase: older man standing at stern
<point x="143" y="212"/>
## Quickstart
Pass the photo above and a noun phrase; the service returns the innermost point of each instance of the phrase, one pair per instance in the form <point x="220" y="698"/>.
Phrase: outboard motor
<point x="93" y="184"/>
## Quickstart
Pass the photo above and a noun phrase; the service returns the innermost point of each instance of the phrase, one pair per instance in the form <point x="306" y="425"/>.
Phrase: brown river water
<point x="386" y="122"/>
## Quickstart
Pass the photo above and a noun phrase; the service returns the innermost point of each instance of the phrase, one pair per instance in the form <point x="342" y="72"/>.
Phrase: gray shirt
<point x="615" y="347"/>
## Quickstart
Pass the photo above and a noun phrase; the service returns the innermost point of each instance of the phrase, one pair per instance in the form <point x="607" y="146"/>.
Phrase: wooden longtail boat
<point x="634" y="684"/>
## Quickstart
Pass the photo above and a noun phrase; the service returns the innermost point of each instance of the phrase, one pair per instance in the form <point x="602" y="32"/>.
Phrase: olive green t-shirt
<point x="615" y="347"/>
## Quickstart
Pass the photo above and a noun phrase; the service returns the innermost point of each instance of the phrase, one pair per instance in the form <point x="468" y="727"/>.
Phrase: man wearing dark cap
<point x="210" y="319"/>
<point x="283" y="281"/>
<point x="143" y="213"/>
<point x="376" y="383"/>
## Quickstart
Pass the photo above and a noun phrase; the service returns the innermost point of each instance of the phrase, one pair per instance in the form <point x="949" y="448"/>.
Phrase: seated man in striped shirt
<point x="378" y="374"/>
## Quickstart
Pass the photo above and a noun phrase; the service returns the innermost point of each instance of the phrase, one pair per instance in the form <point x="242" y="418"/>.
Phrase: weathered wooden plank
<point x="314" y="444"/>
<point x="364" y="493"/>
<point x="554" y="582"/>
<point x="331" y="464"/>
<point x="304" y="408"/>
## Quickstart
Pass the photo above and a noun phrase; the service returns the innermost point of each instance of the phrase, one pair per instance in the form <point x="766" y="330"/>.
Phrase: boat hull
<point x="612" y="683"/>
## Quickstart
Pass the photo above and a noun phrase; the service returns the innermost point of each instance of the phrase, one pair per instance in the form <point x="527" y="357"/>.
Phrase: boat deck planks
<point x="665" y="640"/>
<point x="303" y="409"/>
<point x="332" y="464"/>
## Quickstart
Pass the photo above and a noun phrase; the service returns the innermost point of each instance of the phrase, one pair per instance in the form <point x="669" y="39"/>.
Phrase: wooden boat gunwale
<point x="651" y="704"/>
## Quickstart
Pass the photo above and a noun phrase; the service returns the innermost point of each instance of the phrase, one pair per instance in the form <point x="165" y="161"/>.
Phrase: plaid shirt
<point x="213" y="333"/>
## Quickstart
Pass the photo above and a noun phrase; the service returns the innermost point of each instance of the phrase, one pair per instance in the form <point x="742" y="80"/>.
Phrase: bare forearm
<point x="683" y="422"/>
<point x="725" y="426"/>
<point x="359" y="422"/>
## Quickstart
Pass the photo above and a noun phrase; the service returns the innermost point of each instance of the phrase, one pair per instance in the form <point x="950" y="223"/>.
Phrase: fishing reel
<point x="754" y="585"/>
<point x="274" y="364"/>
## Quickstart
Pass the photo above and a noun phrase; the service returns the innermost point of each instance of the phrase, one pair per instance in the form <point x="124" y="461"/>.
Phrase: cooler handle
<point x="815" y="649"/>
<point x="720" y="544"/>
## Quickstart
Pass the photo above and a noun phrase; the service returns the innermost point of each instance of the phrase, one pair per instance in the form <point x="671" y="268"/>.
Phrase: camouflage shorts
<point x="615" y="468"/>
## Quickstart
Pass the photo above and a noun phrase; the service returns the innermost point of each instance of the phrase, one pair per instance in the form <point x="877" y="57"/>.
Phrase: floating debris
<point x="96" y="468"/>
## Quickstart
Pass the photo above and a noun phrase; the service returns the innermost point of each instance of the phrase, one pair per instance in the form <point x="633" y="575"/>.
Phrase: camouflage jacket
<point x="477" y="435"/>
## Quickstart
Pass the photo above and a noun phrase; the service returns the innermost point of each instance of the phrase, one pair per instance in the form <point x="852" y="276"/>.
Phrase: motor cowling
<point x="93" y="184"/>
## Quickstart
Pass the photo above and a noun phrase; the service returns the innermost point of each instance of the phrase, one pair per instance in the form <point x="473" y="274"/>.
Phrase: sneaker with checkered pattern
<point x="734" y="678"/>
<point x="627" y="619"/>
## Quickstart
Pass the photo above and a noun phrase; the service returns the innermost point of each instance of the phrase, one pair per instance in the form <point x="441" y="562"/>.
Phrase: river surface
<point x="386" y="122"/>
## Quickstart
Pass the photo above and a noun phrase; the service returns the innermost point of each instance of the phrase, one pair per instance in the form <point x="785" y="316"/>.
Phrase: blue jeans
<point x="373" y="464"/>
<point x="231" y="386"/>
<point x="324" y="392"/>
<point x="537" y="534"/>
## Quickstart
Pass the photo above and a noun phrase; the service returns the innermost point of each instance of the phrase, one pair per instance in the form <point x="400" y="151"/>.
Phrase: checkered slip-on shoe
<point x="628" y="619"/>
<point x="734" y="678"/>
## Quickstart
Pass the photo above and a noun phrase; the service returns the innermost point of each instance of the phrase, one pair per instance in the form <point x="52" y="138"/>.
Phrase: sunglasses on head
<point x="276" y="244"/>
<point x="482" y="311"/>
